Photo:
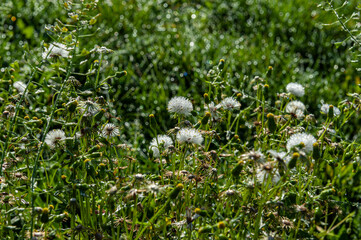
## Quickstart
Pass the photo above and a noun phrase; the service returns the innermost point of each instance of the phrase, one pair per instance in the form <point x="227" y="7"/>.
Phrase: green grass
<point x="90" y="185"/>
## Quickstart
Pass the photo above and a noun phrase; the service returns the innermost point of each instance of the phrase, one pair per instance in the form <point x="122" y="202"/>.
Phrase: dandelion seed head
<point x="89" y="108"/>
<point x="296" y="89"/>
<point x="153" y="188"/>
<point x="110" y="130"/>
<point x="304" y="139"/>
<point x="139" y="176"/>
<point x="56" y="50"/>
<point x="20" y="86"/>
<point x="161" y="140"/>
<point x="263" y="173"/>
<point x="229" y="103"/>
<point x="326" y="107"/>
<point x="189" y="135"/>
<point x="180" y="105"/>
<point x="297" y="108"/>
<point x="256" y="156"/>
<point x="54" y="138"/>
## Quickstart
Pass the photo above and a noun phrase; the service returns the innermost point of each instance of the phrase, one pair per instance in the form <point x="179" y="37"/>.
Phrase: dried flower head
<point x="180" y="105"/>
<point x="303" y="140"/>
<point x="296" y="108"/>
<point x="255" y="156"/>
<point x="56" y="50"/>
<point x="54" y="138"/>
<point x="89" y="108"/>
<point x="296" y="89"/>
<point x="326" y="107"/>
<point x="158" y="142"/>
<point x="110" y="130"/>
<point x="190" y="135"/>
<point x="229" y="103"/>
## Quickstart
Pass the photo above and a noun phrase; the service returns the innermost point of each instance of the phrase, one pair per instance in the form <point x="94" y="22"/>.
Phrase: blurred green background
<point x="167" y="48"/>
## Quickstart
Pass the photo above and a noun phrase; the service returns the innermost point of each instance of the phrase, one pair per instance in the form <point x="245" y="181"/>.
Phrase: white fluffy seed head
<point x="296" y="89"/>
<point x="326" y="107"/>
<point x="54" y="137"/>
<point x="180" y="105"/>
<point x="229" y="103"/>
<point x="262" y="176"/>
<point x="301" y="139"/>
<point x="189" y="135"/>
<point x="297" y="108"/>
<point x="56" y="50"/>
<point x="110" y="130"/>
<point x="158" y="142"/>
<point x="89" y="108"/>
<point x="20" y="86"/>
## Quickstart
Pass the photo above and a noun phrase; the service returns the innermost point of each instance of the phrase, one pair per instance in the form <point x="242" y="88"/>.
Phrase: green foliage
<point x="89" y="149"/>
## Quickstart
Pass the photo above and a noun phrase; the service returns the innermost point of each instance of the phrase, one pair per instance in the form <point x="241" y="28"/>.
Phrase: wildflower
<point x="326" y="107"/>
<point x="229" y="103"/>
<point x="89" y="108"/>
<point x="190" y="135"/>
<point x="20" y="86"/>
<point x="180" y="105"/>
<point x="110" y="130"/>
<point x="296" y="108"/>
<point x="54" y="137"/>
<point x="305" y="140"/>
<point x="296" y="89"/>
<point x="161" y="140"/>
<point x="56" y="50"/>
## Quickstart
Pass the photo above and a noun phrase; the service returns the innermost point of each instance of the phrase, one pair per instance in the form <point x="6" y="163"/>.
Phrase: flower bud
<point x="206" y="98"/>
<point x="221" y="225"/>
<point x="316" y="151"/>
<point x="269" y="71"/>
<point x="330" y="111"/>
<point x="293" y="160"/>
<point x="176" y="191"/>
<point x="221" y="64"/>
<point x="121" y="74"/>
<point x="271" y="123"/>
<point x="206" y="118"/>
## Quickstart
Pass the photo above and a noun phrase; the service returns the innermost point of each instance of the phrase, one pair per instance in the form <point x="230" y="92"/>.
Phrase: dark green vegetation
<point x="90" y="184"/>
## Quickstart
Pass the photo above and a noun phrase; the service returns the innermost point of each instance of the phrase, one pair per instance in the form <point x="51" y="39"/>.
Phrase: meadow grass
<point x="179" y="120"/>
